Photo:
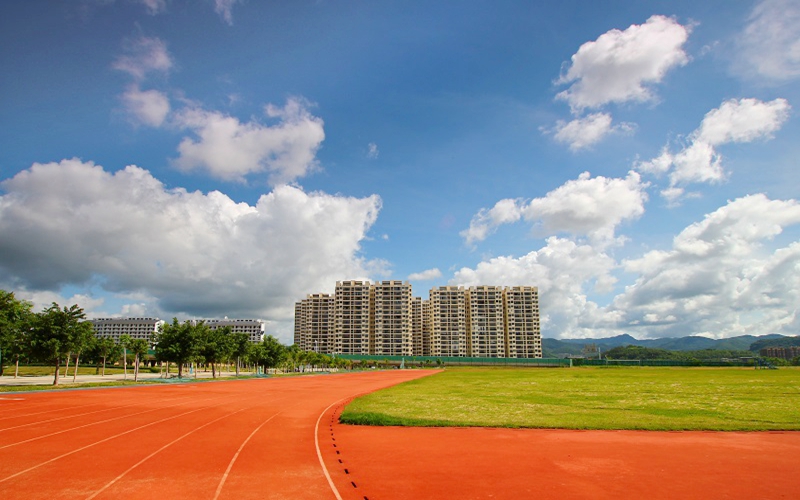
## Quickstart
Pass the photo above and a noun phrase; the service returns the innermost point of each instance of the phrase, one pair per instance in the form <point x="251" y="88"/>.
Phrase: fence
<point x="460" y="361"/>
<point x="661" y="362"/>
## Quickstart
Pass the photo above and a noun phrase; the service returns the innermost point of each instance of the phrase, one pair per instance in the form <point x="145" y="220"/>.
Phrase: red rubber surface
<point x="256" y="439"/>
<point x="474" y="463"/>
<point x="234" y="439"/>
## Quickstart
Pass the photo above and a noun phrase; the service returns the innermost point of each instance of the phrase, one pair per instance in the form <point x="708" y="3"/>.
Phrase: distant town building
<point x="384" y="318"/>
<point x="136" y="328"/>
<point x="254" y="328"/>
<point x="789" y="352"/>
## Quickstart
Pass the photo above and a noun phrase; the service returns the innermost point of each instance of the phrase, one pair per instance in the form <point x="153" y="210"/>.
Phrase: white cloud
<point x="770" y="43"/>
<point x="582" y="133"/>
<point x="736" y="120"/>
<point x="619" y="65"/>
<point x="587" y="206"/>
<point x="590" y="206"/>
<point x="564" y="271"/>
<point x="430" y="274"/>
<point x="229" y="149"/>
<point x="372" y="151"/>
<point x="142" y="56"/>
<point x="224" y="8"/>
<point x="148" y="107"/>
<point x="718" y="279"/>
<point x="154" y="6"/>
<point x="201" y="254"/>
<point x="486" y="221"/>
<point x="742" y="120"/>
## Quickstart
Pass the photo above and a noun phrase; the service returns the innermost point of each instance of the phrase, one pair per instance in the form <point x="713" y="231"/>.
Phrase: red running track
<point x="259" y="439"/>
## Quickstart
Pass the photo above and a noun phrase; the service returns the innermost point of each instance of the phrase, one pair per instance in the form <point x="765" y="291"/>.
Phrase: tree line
<point x="631" y="352"/>
<point x="60" y="335"/>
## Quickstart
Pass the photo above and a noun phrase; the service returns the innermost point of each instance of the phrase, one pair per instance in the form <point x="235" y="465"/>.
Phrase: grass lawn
<point x="590" y="398"/>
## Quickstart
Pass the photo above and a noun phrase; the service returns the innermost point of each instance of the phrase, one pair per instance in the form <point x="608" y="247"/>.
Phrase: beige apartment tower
<point x="351" y="324"/>
<point x="486" y="336"/>
<point x="385" y="319"/>
<point x="417" y="327"/>
<point x="522" y="322"/>
<point x="392" y="316"/>
<point x="313" y="325"/>
<point x="448" y="321"/>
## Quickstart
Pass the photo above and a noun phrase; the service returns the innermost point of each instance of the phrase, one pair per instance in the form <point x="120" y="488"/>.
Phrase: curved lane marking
<point x="319" y="454"/>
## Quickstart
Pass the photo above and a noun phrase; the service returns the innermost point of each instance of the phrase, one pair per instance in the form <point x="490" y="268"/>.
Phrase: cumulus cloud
<point x="719" y="279"/>
<point x="430" y="274"/>
<point x="621" y="66"/>
<point x="486" y="222"/>
<point x="228" y="149"/>
<point x="142" y="56"/>
<point x="736" y="120"/>
<point x="582" y="133"/>
<point x="201" y="254"/>
<point x="564" y="271"/>
<point x="225" y="10"/>
<point x="770" y="44"/>
<point x="147" y="107"/>
<point x="591" y="207"/>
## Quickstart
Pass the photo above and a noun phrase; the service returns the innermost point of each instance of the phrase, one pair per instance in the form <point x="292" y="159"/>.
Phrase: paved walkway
<point x="8" y="378"/>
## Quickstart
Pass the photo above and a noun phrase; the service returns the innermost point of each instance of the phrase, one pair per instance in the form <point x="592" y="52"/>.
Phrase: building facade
<point x="313" y="323"/>
<point x="384" y="318"/>
<point x="136" y="328"/>
<point x="352" y="315"/>
<point x="391" y="304"/>
<point x="254" y="328"/>
<point x="522" y="322"/>
<point x="448" y="321"/>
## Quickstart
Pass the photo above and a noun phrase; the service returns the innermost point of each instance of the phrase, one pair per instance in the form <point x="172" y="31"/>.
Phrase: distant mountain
<point x="561" y="347"/>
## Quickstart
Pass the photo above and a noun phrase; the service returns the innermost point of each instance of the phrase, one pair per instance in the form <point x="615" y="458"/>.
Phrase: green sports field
<point x="591" y="398"/>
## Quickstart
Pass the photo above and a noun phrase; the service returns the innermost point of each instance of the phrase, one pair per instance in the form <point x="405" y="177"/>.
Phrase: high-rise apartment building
<point x="416" y="326"/>
<point x="391" y="309"/>
<point x="427" y="327"/>
<point x="486" y="336"/>
<point x="448" y="321"/>
<point x="384" y="319"/>
<point x="313" y="323"/>
<point x="352" y="317"/>
<point x="522" y="322"/>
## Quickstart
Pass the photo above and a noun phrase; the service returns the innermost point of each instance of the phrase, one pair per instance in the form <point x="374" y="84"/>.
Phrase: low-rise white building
<point x="136" y="328"/>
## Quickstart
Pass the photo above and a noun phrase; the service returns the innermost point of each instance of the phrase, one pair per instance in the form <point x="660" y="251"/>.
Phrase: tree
<point x="56" y="332"/>
<point x="138" y="348"/>
<point x="216" y="345"/>
<point x="124" y="343"/>
<point x="105" y="348"/>
<point x="15" y="321"/>
<point x="241" y="348"/>
<point x="270" y="352"/>
<point x="179" y="342"/>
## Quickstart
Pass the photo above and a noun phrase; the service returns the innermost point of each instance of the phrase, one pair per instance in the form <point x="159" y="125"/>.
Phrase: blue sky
<point x="635" y="160"/>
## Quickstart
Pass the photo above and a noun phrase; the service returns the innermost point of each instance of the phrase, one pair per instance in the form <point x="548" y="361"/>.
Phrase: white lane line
<point x="65" y="418"/>
<point x="148" y="457"/>
<point x="91" y="424"/>
<point x="319" y="454"/>
<point x="236" y="455"/>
